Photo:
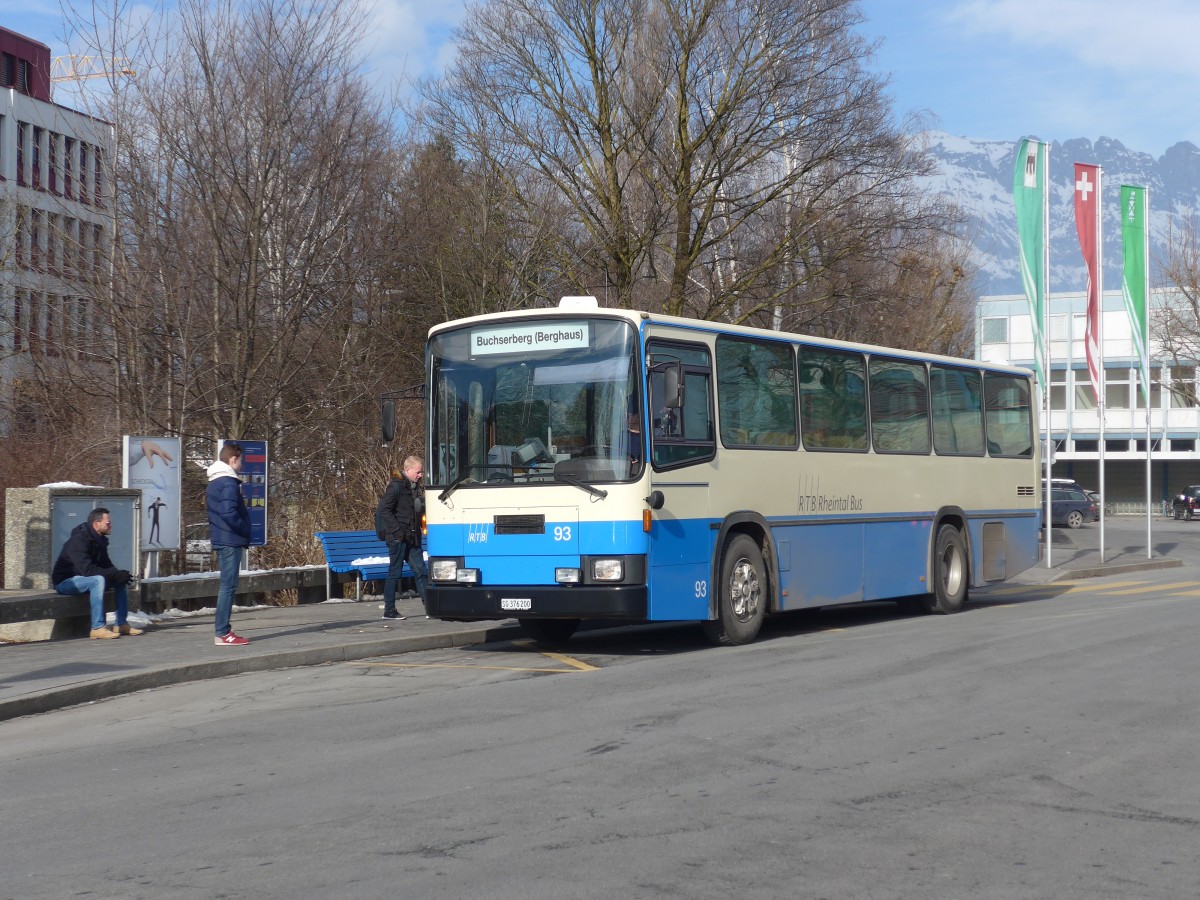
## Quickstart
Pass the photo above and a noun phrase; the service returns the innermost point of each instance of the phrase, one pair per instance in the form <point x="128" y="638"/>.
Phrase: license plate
<point x="516" y="603"/>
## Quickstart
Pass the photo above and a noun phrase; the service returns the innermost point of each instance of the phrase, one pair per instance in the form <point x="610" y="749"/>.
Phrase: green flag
<point x="1030" y="198"/>
<point x="1133" y="281"/>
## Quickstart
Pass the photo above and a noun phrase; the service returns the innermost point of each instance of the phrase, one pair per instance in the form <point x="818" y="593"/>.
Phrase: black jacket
<point x="399" y="512"/>
<point x="84" y="553"/>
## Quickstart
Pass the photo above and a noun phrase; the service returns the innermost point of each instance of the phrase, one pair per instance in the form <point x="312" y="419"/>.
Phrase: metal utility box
<point x="39" y="520"/>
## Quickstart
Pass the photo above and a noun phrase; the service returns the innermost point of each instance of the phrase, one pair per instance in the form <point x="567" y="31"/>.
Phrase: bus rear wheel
<point x="741" y="594"/>
<point x="549" y="631"/>
<point x="949" y="572"/>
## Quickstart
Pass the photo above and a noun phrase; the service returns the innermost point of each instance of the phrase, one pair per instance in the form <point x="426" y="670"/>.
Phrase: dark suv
<point x="1187" y="504"/>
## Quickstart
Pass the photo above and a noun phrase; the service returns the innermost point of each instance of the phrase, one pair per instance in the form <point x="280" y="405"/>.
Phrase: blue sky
<point x="994" y="69"/>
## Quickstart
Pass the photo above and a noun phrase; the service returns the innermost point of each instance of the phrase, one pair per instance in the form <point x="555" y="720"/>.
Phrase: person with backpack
<point x="398" y="522"/>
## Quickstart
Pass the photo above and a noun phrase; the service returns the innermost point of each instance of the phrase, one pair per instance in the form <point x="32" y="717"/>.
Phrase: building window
<point x="1183" y="446"/>
<point x="1058" y="328"/>
<point x="1183" y="387"/>
<point x="18" y="328"/>
<point x="8" y="69"/>
<point x="1155" y="390"/>
<point x="1116" y="394"/>
<point x="52" y="169"/>
<point x="98" y="181"/>
<point x="995" y="331"/>
<point x="1085" y="395"/>
<point x="21" y="129"/>
<point x="1087" y="446"/>
<point x="23" y="76"/>
<point x="85" y="164"/>
<point x="68" y="165"/>
<point x="1058" y="389"/>
<point x="38" y="134"/>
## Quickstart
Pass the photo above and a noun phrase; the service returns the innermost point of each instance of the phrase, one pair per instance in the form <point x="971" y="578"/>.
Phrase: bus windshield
<point x="533" y="400"/>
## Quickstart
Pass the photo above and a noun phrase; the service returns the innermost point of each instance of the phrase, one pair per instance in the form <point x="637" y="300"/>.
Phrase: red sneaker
<point x="230" y="639"/>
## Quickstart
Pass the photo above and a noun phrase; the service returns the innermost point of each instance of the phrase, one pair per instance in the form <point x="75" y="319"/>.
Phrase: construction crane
<point x="81" y="68"/>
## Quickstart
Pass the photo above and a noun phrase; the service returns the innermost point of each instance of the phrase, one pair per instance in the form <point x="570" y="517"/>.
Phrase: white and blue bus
<point x="602" y="464"/>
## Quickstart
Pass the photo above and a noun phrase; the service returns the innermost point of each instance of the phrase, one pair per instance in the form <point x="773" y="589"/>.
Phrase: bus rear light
<point x="567" y="576"/>
<point x="608" y="569"/>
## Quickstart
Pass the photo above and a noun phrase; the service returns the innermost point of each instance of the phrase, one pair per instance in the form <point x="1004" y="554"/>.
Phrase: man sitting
<point x="83" y="567"/>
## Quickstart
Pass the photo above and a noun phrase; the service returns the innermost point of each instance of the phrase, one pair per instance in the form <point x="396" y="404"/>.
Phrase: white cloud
<point x="407" y="40"/>
<point x="1118" y="35"/>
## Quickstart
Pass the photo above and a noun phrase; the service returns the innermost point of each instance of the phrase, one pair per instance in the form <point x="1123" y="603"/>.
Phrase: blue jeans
<point x="229" y="560"/>
<point x="94" y="585"/>
<point x="398" y="552"/>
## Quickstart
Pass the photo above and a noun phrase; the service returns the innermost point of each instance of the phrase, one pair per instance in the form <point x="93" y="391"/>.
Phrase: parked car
<point x="1071" y="507"/>
<point x="1060" y="483"/>
<point x="197" y="547"/>
<point x="1186" y="505"/>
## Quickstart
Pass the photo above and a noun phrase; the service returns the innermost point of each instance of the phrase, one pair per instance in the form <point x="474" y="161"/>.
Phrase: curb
<point x="1118" y="568"/>
<point x="103" y="688"/>
<point x="1039" y="574"/>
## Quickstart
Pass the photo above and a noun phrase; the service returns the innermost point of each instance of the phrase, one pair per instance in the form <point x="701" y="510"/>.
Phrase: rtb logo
<point x="477" y="533"/>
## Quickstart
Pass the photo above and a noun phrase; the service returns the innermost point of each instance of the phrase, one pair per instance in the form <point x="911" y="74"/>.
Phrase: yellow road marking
<point x="1080" y="585"/>
<point x="1150" y="589"/>
<point x="570" y="661"/>
<point x="1195" y="593"/>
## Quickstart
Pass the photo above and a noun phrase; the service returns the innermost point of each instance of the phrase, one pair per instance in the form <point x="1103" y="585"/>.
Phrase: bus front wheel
<point x="741" y="596"/>
<point x="549" y="631"/>
<point x="950" y="572"/>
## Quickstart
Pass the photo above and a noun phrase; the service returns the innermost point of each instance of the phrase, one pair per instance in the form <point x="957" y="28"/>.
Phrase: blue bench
<point x="342" y="548"/>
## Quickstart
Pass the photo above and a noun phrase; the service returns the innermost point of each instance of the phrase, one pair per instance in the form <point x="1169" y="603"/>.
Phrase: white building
<point x="1004" y="332"/>
<point x="55" y="215"/>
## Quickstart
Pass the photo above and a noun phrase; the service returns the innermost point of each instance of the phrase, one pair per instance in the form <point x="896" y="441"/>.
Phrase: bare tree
<point x="709" y="150"/>
<point x="241" y="295"/>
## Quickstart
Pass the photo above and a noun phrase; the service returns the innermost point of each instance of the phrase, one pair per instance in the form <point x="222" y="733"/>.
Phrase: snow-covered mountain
<point x="978" y="174"/>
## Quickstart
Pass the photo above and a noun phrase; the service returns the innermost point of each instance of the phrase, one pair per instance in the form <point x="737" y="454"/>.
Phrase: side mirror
<point x="387" y="420"/>
<point x="656" y="500"/>
<point x="673" y="387"/>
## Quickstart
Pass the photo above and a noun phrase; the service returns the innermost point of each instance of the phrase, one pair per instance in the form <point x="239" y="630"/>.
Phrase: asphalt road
<point x="1040" y="744"/>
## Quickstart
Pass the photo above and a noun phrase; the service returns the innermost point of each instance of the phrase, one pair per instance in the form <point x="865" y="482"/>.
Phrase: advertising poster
<point x="151" y="464"/>
<point x="254" y="486"/>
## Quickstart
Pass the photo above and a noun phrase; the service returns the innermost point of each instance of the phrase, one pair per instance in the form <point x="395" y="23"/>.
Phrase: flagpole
<point x="1045" y="349"/>
<point x="1101" y="389"/>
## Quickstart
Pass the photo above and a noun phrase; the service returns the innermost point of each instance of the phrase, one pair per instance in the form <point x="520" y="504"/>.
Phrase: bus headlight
<point x="467" y="576"/>
<point x="443" y="569"/>
<point x="567" y="576"/>
<point x="608" y="569"/>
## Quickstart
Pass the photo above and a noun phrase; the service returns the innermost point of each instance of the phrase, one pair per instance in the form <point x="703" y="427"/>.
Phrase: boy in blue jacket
<point x="229" y="531"/>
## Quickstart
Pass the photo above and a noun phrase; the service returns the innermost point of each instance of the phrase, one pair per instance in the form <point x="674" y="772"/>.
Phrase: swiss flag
<point x="1087" y="225"/>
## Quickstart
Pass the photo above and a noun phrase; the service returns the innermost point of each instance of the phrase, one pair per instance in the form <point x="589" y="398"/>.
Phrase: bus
<point x="585" y="463"/>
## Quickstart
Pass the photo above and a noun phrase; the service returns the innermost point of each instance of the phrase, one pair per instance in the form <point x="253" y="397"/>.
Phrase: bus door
<point x="682" y="455"/>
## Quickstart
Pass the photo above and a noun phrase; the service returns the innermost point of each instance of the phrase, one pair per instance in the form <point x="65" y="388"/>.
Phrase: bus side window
<point x="1009" y="418"/>
<point x="833" y="399"/>
<point x="957" y="411"/>
<point x="685" y="435"/>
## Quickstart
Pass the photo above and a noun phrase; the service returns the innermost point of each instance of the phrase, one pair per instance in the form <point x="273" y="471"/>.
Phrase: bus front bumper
<point x="619" y="601"/>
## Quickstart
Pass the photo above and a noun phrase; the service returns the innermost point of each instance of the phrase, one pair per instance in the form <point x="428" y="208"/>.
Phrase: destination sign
<point x="540" y="338"/>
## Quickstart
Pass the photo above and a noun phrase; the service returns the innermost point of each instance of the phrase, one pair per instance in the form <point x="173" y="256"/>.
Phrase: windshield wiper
<point x="455" y="484"/>
<point x="579" y="483"/>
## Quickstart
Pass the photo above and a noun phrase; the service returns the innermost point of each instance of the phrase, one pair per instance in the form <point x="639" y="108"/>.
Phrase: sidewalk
<point x="1076" y="554"/>
<point x="47" y="675"/>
